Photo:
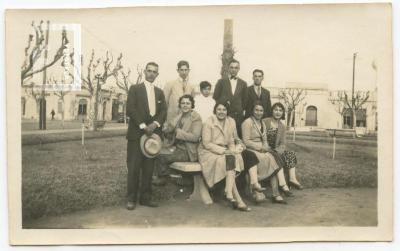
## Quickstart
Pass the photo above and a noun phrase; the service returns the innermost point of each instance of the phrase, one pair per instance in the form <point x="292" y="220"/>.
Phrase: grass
<point x="32" y="125"/>
<point x="39" y="139"/>
<point x="63" y="177"/>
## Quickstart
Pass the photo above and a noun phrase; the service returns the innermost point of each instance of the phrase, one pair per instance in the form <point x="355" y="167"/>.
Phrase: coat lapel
<point x="238" y="87"/>
<point x="217" y="125"/>
<point x="145" y="102"/>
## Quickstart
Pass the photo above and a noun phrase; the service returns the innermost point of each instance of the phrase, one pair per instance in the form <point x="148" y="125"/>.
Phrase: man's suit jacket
<point x="137" y="108"/>
<point x="238" y="100"/>
<point x="265" y="99"/>
<point x="173" y="90"/>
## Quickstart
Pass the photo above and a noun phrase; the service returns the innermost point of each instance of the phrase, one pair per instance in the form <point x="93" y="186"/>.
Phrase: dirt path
<point x="310" y="207"/>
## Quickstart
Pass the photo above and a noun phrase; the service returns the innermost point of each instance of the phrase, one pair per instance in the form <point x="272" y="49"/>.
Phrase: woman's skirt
<point x="267" y="165"/>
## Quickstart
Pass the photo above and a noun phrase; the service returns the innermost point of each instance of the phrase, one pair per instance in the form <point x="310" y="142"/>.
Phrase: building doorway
<point x="115" y="107"/>
<point x="82" y="109"/>
<point x="104" y="110"/>
<point x="311" y="116"/>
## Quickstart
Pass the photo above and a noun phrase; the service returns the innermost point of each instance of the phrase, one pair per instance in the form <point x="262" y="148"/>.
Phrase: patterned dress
<point x="288" y="157"/>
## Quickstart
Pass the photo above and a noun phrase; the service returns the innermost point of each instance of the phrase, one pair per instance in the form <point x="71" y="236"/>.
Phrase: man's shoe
<point x="159" y="181"/>
<point x="130" y="205"/>
<point x="149" y="203"/>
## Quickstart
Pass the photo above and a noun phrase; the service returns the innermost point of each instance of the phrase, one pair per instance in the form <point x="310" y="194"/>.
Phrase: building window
<point x="23" y="103"/>
<point x="311" y="116"/>
<point x="82" y="107"/>
<point x="361" y="118"/>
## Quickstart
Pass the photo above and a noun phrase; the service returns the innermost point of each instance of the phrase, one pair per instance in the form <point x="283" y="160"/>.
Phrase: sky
<point x="308" y="46"/>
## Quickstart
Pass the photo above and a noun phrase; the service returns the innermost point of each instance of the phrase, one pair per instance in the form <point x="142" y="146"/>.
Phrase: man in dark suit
<point x="256" y="92"/>
<point x="147" y="111"/>
<point x="234" y="90"/>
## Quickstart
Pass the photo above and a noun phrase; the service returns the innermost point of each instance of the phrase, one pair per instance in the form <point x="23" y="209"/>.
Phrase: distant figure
<point x="52" y="114"/>
<point x="257" y="92"/>
<point x="146" y="109"/>
<point x="173" y="90"/>
<point x="234" y="91"/>
<point x="204" y="102"/>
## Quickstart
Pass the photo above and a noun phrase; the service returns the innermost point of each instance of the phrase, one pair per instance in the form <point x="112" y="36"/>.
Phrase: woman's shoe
<point x="230" y="201"/>
<point x="297" y="185"/>
<point x="278" y="201"/>
<point x="286" y="191"/>
<point x="257" y="187"/>
<point x="243" y="208"/>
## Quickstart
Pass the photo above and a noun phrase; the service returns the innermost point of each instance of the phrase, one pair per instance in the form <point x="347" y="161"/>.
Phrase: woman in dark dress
<point x="276" y="137"/>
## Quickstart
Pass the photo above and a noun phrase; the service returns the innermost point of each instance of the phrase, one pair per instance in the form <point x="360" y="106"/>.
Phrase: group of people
<point x="233" y="131"/>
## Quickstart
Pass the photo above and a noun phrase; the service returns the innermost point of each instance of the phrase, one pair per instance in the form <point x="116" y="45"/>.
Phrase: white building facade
<point x="315" y="112"/>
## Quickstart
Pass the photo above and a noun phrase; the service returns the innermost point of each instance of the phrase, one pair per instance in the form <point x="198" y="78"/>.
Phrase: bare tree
<point x="344" y="103"/>
<point x="60" y="93"/>
<point x="34" y="92"/>
<point x="97" y="73"/>
<point x="291" y="97"/>
<point x="35" y="49"/>
<point x="124" y="82"/>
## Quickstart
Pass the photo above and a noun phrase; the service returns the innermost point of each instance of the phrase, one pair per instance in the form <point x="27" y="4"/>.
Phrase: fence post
<point x="83" y="133"/>
<point x="334" y="147"/>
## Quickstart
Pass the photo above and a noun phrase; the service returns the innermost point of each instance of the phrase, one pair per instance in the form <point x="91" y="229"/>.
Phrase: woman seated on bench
<point x="255" y="138"/>
<point x="220" y="157"/>
<point x="276" y="136"/>
<point x="184" y="132"/>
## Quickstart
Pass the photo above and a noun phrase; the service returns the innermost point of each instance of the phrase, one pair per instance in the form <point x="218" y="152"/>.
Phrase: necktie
<point x="152" y="100"/>
<point x="258" y="91"/>
<point x="184" y="84"/>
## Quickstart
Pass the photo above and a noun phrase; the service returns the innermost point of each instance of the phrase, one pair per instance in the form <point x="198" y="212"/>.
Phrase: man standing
<point x="147" y="110"/>
<point x="234" y="90"/>
<point x="173" y="90"/>
<point x="256" y="92"/>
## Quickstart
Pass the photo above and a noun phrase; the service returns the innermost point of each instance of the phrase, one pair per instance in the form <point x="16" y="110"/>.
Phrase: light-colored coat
<point x="254" y="142"/>
<point x="173" y="90"/>
<point x="190" y="132"/>
<point x="215" y="140"/>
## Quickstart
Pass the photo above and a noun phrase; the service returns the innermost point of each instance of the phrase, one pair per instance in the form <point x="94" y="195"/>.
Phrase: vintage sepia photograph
<point x="199" y="121"/>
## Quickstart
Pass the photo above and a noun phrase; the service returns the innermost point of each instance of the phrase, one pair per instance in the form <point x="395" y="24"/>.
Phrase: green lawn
<point x="63" y="177"/>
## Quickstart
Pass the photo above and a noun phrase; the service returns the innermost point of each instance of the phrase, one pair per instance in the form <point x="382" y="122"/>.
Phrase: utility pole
<point x="352" y="91"/>
<point x="42" y="105"/>
<point x="228" y="52"/>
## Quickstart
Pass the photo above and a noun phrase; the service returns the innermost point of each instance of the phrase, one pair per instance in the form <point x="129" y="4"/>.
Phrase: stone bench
<point x="200" y="190"/>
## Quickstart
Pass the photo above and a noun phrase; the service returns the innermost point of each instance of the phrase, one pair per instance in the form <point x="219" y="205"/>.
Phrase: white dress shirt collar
<point x="233" y="84"/>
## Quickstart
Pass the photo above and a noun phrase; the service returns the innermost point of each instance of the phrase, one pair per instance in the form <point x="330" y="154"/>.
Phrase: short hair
<point x="152" y="63"/>
<point x="204" y="84"/>
<point x="257" y="102"/>
<point x="258" y="70"/>
<point x="233" y="61"/>
<point x="182" y="63"/>
<point x="188" y="96"/>
<point x="278" y="104"/>
<point x="226" y="104"/>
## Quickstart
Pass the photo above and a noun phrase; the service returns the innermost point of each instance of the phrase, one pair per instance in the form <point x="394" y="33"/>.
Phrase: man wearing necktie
<point x="233" y="90"/>
<point x="257" y="92"/>
<point x="147" y="111"/>
<point x="175" y="89"/>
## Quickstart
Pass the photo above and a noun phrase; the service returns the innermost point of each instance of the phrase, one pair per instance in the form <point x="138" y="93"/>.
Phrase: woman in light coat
<point x="219" y="156"/>
<point x="184" y="132"/>
<point x="255" y="139"/>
